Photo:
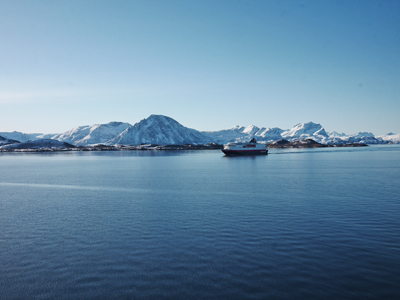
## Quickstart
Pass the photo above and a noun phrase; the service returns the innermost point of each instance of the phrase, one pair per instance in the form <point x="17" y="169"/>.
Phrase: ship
<point x="250" y="148"/>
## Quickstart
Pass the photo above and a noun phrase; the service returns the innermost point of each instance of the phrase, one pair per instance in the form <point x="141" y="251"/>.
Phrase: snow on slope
<point x="306" y="130"/>
<point x="158" y="129"/>
<point x="4" y="141"/>
<point x="360" y="137"/>
<point x="19" y="136"/>
<point x="94" y="134"/>
<point x="335" y="134"/>
<point x="390" y="138"/>
<point x="234" y="134"/>
<point x="269" y="134"/>
<point x="243" y="134"/>
<point x="251" y="130"/>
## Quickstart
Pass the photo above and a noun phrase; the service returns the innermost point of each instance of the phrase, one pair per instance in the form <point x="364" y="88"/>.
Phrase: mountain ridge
<point x="160" y="129"/>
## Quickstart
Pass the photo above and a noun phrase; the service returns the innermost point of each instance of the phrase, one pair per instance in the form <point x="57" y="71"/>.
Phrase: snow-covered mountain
<point x="390" y="138"/>
<point x="158" y="129"/>
<point x="24" y="137"/>
<point x="269" y="134"/>
<point x="4" y="141"/>
<point x="335" y="134"/>
<point x="242" y="134"/>
<point x="300" y="131"/>
<point x="305" y="131"/>
<point x="94" y="134"/>
<point x="234" y="134"/>
<point x="360" y="137"/>
<point x="39" y="144"/>
<point x="163" y="130"/>
<point x="19" y="136"/>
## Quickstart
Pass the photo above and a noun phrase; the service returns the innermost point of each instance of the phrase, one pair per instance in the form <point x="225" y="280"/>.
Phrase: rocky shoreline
<point x="143" y="147"/>
<point x="307" y="143"/>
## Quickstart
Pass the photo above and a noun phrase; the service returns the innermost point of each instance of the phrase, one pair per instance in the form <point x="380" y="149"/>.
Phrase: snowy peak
<point x="163" y="130"/>
<point x="159" y="129"/>
<point x="306" y="130"/>
<point x="250" y="130"/>
<point x="335" y="134"/>
<point x="268" y="134"/>
<point x="94" y="134"/>
<point x="243" y="134"/>
<point x="362" y="134"/>
<point x="390" y="138"/>
<point x="276" y="131"/>
<point x="159" y="122"/>
<point x="74" y="134"/>
<point x="19" y="136"/>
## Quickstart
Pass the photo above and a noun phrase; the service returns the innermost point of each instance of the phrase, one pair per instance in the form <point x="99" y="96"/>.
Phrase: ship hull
<point x="245" y="152"/>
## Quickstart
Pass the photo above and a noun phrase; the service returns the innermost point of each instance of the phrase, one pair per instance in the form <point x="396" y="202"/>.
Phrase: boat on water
<point x="250" y="148"/>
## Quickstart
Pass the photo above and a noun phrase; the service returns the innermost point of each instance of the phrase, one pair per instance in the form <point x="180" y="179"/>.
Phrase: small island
<point x="309" y="143"/>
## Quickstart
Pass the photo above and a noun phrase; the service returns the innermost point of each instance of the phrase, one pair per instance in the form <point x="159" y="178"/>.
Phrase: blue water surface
<point x="295" y="224"/>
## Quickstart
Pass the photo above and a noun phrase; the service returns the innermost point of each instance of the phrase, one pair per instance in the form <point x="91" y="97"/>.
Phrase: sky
<point x="209" y="64"/>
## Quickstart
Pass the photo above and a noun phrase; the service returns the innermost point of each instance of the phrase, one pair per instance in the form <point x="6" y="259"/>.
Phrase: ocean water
<point x="296" y="224"/>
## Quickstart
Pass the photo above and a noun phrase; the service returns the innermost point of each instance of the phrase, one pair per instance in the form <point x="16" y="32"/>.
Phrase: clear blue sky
<point x="208" y="64"/>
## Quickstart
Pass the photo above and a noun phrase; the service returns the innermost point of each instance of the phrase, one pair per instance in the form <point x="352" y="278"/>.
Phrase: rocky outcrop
<point x="308" y="143"/>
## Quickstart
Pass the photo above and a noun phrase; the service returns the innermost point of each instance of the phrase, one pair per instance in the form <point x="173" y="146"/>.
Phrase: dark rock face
<point x="352" y="145"/>
<point x="40" y="144"/>
<point x="308" y="143"/>
<point x="278" y="144"/>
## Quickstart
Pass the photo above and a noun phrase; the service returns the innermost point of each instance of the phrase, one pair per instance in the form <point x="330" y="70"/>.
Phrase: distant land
<point x="158" y="130"/>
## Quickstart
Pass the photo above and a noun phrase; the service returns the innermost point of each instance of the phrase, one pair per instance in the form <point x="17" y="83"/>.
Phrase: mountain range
<point x="163" y="130"/>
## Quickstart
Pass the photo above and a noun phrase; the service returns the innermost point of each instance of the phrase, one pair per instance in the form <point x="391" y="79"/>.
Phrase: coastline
<point x="307" y="143"/>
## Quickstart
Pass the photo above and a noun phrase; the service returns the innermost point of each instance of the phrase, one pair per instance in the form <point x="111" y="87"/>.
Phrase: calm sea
<point x="296" y="224"/>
